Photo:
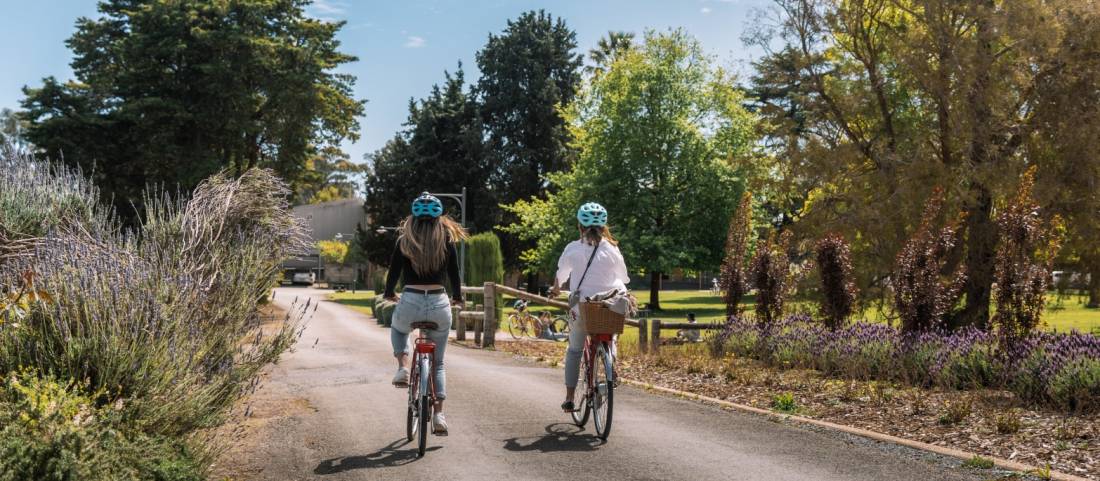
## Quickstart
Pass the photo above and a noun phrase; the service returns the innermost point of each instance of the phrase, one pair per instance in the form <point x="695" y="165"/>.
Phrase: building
<point x="326" y="221"/>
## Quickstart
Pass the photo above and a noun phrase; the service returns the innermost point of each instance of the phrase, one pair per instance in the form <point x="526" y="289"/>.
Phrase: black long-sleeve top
<point x="401" y="267"/>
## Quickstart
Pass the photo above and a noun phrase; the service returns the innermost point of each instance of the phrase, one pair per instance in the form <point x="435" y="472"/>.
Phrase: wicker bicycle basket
<point x="598" y="319"/>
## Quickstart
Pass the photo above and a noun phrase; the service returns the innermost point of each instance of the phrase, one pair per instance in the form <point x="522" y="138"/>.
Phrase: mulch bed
<point x="986" y="422"/>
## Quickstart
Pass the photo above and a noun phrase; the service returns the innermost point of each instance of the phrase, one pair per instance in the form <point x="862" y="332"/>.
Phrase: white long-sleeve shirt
<point x="608" y="270"/>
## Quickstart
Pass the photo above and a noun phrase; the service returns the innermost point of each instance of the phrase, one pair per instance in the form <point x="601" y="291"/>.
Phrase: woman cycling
<point x="592" y="264"/>
<point x="424" y="255"/>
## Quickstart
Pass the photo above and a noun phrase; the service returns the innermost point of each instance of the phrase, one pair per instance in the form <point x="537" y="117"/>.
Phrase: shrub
<point x="53" y="431"/>
<point x="485" y="263"/>
<point x="733" y="277"/>
<point x="1024" y="259"/>
<point x="333" y="252"/>
<point x="922" y="294"/>
<point x="784" y="402"/>
<point x="978" y="462"/>
<point x="955" y="412"/>
<point x="771" y="274"/>
<point x="1007" y="422"/>
<point x="834" y="262"/>
<point x="1061" y="370"/>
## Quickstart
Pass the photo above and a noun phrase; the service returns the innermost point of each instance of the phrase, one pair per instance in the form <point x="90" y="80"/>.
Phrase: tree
<point x="440" y="150"/>
<point x="12" y="128"/>
<point x="329" y="175"/>
<point x="894" y="96"/>
<point x="607" y="48"/>
<point x="172" y="92"/>
<point x="528" y="73"/>
<point x="333" y="252"/>
<point x="655" y="136"/>
<point x="484" y="263"/>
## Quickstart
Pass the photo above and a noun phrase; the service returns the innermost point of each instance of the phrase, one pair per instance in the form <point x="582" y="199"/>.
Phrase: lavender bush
<point x="1060" y="370"/>
<point x="161" y="319"/>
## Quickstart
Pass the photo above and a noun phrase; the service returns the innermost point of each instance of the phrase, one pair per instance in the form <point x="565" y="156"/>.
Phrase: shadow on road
<point x="388" y="456"/>
<point x="559" y="437"/>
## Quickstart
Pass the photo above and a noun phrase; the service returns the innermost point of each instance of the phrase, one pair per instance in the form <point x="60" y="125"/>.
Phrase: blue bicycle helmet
<point x="427" y="205"/>
<point x="592" y="214"/>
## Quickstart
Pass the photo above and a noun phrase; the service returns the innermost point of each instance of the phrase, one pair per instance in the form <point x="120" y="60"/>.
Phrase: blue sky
<point x="403" y="46"/>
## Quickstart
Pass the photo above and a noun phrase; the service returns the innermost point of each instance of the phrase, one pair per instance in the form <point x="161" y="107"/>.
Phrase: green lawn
<point x="1061" y="314"/>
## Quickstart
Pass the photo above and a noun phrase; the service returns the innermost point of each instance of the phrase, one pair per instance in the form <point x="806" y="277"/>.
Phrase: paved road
<point x="505" y="425"/>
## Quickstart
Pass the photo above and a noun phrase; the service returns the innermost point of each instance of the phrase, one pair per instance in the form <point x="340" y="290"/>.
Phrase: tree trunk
<point x="981" y="244"/>
<point x="533" y="283"/>
<point x="1094" y="285"/>
<point x="655" y="291"/>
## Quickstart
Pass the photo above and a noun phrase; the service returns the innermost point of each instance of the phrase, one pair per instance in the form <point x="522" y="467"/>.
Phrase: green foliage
<point x="329" y="175"/>
<point x="39" y="196"/>
<point x="667" y="200"/>
<point x="56" y="431"/>
<point x="955" y="412"/>
<point x="529" y="73"/>
<point x="171" y="92"/>
<point x="484" y="263"/>
<point x="333" y="252"/>
<point x="440" y="150"/>
<point x="978" y="462"/>
<point x="784" y="402"/>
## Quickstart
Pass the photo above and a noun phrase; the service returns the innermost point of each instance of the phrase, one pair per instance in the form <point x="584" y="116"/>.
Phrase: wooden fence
<point x="486" y="322"/>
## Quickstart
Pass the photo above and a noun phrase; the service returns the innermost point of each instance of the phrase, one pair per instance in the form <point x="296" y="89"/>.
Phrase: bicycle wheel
<point x="580" y="416"/>
<point x="603" y="396"/>
<point x="425" y="405"/>
<point x="534" y="327"/>
<point x="425" y="415"/>
<point x="515" y="326"/>
<point x="412" y="420"/>
<point x="560" y="327"/>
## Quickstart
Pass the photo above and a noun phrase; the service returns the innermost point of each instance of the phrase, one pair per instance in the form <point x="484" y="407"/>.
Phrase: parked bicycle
<point x="422" y="398"/>
<point x="523" y="323"/>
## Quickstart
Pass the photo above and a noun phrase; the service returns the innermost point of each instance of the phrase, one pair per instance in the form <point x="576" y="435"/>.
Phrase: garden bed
<point x="966" y="420"/>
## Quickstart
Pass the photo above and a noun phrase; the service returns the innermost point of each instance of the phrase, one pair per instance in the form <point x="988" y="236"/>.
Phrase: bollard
<point x="643" y="335"/>
<point x="490" y="325"/>
<point x="479" y="325"/>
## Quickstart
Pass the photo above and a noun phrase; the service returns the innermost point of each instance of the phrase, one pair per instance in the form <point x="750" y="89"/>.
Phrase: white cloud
<point x="327" y="10"/>
<point x="415" y="42"/>
<point x="704" y="10"/>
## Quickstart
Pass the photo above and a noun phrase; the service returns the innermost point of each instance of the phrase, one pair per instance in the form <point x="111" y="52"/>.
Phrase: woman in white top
<point x="606" y="271"/>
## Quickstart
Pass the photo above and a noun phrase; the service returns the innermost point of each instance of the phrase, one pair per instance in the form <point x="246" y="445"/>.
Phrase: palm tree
<point x="607" y="48"/>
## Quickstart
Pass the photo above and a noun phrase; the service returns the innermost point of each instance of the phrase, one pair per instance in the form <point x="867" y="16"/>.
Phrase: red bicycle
<point x="421" y="387"/>
<point x="598" y="369"/>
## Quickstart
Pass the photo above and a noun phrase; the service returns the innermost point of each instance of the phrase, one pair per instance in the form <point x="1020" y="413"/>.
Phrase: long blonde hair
<point x="424" y="241"/>
<point x="591" y="235"/>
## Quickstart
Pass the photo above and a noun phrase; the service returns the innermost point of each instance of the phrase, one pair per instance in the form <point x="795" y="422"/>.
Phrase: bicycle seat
<point x="425" y="325"/>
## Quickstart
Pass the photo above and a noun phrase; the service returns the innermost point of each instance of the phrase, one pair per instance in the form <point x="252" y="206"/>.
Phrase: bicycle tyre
<point x="603" y="402"/>
<point x="515" y="326"/>
<point x="412" y="419"/>
<point x="580" y="416"/>
<point x="425" y="414"/>
<point x="560" y="327"/>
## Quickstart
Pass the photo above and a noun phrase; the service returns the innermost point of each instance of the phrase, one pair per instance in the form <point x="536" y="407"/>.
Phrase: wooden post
<point x="490" y="325"/>
<point x="655" y="346"/>
<point x="460" y="328"/>
<point x="643" y="335"/>
<point x="479" y="325"/>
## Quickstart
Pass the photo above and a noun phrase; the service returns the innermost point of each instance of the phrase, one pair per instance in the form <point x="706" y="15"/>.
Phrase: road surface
<point x="342" y="420"/>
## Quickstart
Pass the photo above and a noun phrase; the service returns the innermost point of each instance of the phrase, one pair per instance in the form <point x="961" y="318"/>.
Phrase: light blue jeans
<point x="415" y="307"/>
<point x="577" y="336"/>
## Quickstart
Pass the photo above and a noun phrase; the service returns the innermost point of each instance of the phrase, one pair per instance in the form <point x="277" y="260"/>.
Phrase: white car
<point x="307" y="278"/>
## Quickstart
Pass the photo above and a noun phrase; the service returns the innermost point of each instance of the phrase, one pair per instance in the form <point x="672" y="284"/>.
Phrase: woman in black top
<point x="425" y="253"/>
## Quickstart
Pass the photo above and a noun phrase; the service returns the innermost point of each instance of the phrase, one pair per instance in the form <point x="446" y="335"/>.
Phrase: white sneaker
<point x="401" y="379"/>
<point x="439" y="425"/>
